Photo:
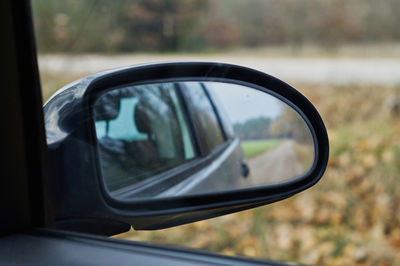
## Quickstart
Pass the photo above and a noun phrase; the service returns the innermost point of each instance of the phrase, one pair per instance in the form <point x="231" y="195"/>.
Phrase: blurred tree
<point x="290" y="125"/>
<point x="105" y="26"/>
<point x="254" y="129"/>
<point x="194" y="25"/>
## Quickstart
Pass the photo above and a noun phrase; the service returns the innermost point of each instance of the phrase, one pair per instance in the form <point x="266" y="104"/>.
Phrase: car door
<point x="219" y="144"/>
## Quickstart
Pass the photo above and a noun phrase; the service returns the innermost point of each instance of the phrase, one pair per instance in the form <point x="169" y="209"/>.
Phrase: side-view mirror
<point x="159" y="145"/>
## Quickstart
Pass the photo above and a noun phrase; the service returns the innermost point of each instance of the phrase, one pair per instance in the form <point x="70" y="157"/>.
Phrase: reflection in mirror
<point x="193" y="137"/>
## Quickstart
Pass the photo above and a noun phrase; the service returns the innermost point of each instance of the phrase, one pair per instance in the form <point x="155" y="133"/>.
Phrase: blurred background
<point x="343" y="55"/>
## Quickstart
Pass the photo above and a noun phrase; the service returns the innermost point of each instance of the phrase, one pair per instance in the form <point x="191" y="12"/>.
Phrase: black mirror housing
<point x="81" y="200"/>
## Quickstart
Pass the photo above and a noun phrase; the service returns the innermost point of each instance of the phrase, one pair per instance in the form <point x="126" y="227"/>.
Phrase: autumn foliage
<point x="350" y="217"/>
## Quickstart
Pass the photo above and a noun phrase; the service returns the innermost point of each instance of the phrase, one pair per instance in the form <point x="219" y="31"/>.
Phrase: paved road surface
<point x="275" y="166"/>
<point x="309" y="70"/>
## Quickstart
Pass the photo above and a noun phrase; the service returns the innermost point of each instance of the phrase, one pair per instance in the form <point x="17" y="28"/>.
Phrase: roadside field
<point x="252" y="148"/>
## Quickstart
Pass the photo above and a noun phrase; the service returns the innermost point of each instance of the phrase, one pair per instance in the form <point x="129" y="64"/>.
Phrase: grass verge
<point x="252" y="148"/>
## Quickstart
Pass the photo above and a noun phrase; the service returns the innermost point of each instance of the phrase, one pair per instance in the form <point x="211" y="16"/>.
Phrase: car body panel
<point x="51" y="247"/>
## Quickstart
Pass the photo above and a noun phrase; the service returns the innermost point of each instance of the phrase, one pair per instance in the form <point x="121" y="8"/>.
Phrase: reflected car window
<point x="142" y="131"/>
<point x="204" y="116"/>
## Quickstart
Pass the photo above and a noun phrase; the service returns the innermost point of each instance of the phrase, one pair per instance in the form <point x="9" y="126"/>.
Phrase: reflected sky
<point x="237" y="99"/>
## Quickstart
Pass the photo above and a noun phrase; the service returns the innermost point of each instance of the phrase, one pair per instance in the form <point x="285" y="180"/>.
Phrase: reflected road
<point x="274" y="166"/>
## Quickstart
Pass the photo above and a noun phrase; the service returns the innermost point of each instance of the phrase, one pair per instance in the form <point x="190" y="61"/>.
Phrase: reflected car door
<point x="219" y="146"/>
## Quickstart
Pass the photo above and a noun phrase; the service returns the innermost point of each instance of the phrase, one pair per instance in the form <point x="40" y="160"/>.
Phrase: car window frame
<point x="26" y="195"/>
<point x="223" y="117"/>
<point x="217" y="112"/>
<point x="198" y="130"/>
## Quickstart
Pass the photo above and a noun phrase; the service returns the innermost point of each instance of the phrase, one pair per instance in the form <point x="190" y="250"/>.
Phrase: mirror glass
<point x="192" y="137"/>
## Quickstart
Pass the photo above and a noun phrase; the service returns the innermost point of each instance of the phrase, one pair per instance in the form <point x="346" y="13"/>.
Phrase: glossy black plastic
<point x="81" y="195"/>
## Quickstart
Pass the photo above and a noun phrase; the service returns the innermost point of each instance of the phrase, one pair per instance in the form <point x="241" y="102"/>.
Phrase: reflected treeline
<point x="291" y="125"/>
<point x="254" y="129"/>
<point x="288" y="125"/>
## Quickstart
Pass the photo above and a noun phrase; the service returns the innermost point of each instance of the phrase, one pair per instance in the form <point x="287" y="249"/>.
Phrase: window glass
<point x="343" y="55"/>
<point x="142" y="131"/>
<point x="210" y="133"/>
<point x="225" y="120"/>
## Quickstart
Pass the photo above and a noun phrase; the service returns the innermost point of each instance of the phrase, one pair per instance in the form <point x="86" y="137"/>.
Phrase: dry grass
<point x="253" y="148"/>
